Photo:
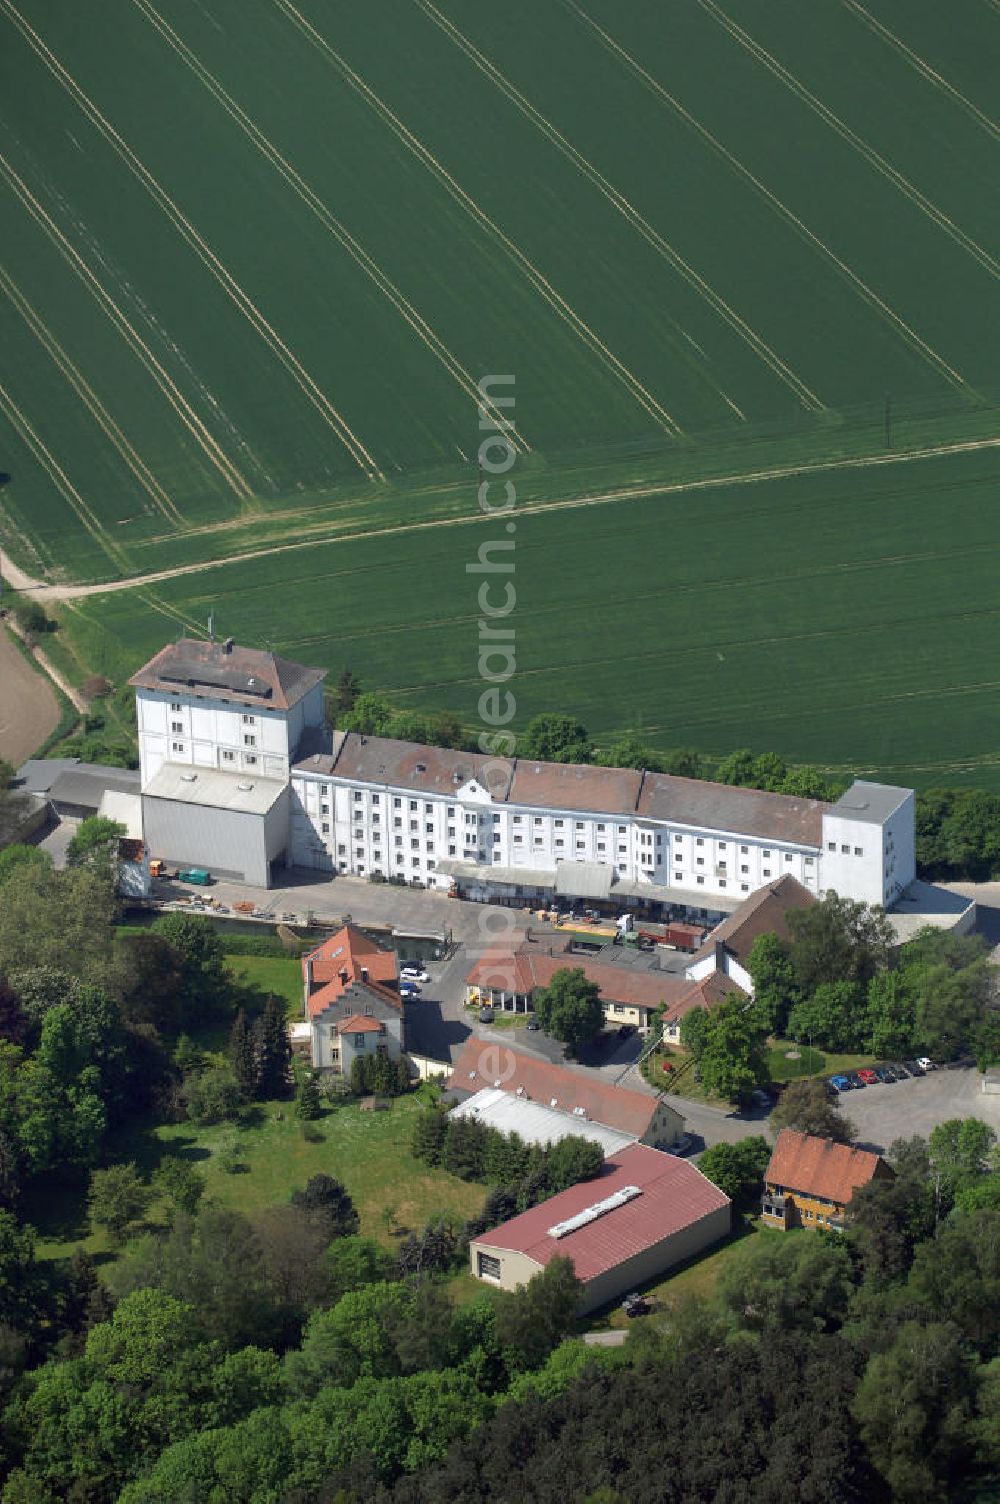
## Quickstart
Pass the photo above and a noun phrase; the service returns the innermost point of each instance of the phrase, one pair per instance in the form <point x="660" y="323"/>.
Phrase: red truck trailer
<point x="684" y="936"/>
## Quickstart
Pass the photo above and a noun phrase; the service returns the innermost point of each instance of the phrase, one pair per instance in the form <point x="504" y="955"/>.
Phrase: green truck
<point x="195" y="875"/>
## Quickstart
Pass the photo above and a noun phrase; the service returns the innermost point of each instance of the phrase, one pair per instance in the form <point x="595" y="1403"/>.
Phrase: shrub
<point x="212" y="1096"/>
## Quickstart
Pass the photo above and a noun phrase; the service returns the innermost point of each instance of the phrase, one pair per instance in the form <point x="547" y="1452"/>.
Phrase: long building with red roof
<point x="644" y="1213"/>
<point x="640" y="1114"/>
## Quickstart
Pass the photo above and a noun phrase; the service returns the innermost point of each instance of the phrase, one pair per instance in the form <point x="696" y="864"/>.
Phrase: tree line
<point x="839" y="984"/>
<point x="527" y="1173"/>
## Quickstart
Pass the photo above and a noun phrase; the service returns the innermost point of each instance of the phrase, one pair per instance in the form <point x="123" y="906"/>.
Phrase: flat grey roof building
<point x="871" y="802"/>
<point x="214" y="788"/>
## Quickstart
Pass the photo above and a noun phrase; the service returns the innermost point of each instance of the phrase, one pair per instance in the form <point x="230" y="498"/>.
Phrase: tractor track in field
<point x="20" y="580"/>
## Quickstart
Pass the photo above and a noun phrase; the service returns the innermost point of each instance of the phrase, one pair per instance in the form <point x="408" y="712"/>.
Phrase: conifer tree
<point x="308" y="1104"/>
<point x="243" y="1056"/>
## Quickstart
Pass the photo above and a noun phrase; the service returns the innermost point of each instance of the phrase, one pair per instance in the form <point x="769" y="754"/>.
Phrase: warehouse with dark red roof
<point x="646" y="1212"/>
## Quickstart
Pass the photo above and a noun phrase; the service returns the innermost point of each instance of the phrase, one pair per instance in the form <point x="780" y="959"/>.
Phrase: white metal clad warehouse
<point x="234" y="825"/>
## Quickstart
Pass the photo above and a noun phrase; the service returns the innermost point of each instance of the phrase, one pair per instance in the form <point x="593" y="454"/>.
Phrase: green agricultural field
<point x="824" y="615"/>
<point x="257" y="256"/>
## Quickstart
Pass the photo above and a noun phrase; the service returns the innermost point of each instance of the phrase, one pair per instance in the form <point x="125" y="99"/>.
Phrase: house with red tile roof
<point x="640" y="1114"/>
<point x="644" y="1213"/>
<point x="351" y="999"/>
<point x="727" y="949"/>
<point x="704" y="994"/>
<point x="810" y="1180"/>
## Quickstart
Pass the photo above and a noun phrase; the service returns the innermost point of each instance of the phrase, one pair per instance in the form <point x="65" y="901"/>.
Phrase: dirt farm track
<point x="29" y="711"/>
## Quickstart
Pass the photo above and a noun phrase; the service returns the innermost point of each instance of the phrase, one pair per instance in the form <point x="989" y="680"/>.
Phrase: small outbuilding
<point x="645" y="1213"/>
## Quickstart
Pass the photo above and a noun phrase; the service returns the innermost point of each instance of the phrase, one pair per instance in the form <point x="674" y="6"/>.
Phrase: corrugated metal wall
<point x="224" y="841"/>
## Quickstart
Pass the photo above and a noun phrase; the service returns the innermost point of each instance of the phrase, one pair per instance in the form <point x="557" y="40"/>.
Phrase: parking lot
<point x="904" y="1108"/>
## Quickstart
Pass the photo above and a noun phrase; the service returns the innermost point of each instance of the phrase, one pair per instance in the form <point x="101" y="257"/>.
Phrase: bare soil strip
<point x="29" y="711"/>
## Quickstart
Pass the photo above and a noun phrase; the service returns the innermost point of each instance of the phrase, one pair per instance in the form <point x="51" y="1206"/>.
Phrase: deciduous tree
<point x="738" y="1169"/>
<point x="838" y="940"/>
<point x="536" y="1319"/>
<point x="569" y="1008"/>
<point x="95" y="846"/>
<point x="551" y="737"/>
<point x="832" y="1016"/>
<point x="734" y="1054"/>
<point x="806" y="1106"/>
<point x="775" y="1280"/>
<point x="774" y="988"/>
<point x="117" y="1197"/>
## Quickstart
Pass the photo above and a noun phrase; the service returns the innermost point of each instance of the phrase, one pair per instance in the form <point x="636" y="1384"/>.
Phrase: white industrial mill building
<point x="240" y="775"/>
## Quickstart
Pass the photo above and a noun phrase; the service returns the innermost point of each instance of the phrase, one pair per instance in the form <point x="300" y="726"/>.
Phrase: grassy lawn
<point x="696" y="1277"/>
<point x="505" y="1020"/>
<point x="367" y="1152"/>
<point x="680" y="1081"/>
<point x="280" y="974"/>
<point x="810" y="1062"/>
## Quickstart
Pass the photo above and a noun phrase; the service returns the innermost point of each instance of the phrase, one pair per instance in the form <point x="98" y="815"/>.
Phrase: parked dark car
<point x="532" y="1023"/>
<point x="885" y="1074"/>
<point x="626" y="1031"/>
<point x="635" y="1304"/>
<point x="855" y="1080"/>
<point x="914" y="1068"/>
<point x="902" y="1074"/>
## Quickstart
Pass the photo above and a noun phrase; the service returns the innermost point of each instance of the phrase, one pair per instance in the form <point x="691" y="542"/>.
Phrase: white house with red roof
<point x="508" y="979"/>
<point x="644" y="1213"/>
<point x="351" y="999"/>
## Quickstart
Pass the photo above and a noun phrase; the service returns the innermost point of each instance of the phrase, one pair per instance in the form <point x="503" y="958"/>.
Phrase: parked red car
<point x="667" y="1066"/>
<point x="868" y="1076"/>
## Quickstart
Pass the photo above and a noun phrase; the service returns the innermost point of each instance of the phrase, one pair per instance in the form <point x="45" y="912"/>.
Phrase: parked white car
<point x="412" y="974"/>
<point x="924" y="1063"/>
